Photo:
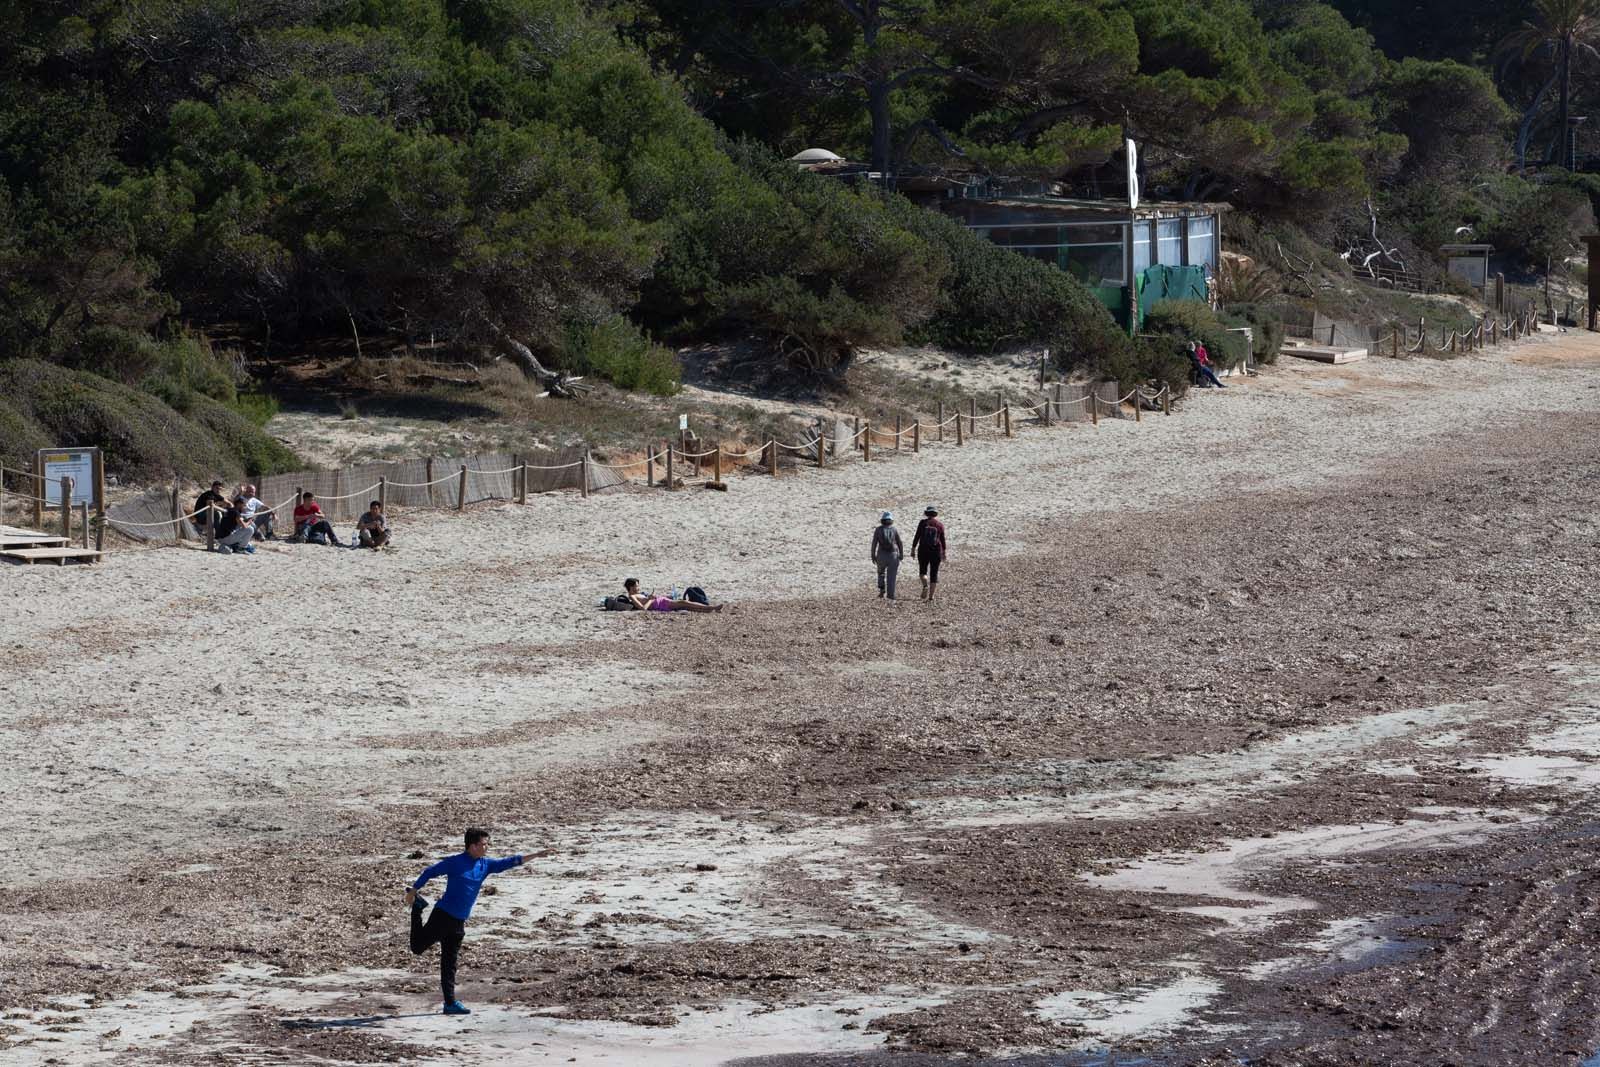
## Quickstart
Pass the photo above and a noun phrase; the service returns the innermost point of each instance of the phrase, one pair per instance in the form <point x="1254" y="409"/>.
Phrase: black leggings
<point x="928" y="566"/>
<point x="446" y="931"/>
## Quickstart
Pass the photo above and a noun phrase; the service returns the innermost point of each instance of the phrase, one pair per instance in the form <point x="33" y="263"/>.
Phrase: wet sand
<point x="1261" y="731"/>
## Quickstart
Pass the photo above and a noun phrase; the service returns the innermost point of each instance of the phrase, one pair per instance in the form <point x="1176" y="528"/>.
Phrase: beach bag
<point x="617" y="603"/>
<point x="696" y="594"/>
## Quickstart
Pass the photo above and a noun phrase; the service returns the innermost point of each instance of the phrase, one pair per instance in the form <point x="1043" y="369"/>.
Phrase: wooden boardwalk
<point x="18" y="545"/>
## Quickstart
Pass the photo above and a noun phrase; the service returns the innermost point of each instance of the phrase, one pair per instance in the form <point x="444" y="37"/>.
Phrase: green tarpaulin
<point x="1170" y="283"/>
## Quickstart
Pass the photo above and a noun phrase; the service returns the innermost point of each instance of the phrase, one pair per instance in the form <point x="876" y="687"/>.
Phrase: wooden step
<point x="58" y="555"/>
<point x="12" y="541"/>
<point x="18" y="537"/>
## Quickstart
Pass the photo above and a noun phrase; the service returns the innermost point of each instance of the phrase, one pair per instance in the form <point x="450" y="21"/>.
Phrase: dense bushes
<point x="991" y="297"/>
<point x="615" y="350"/>
<point x="43" y="405"/>
<point x="1174" y="323"/>
<point x="1266" y="327"/>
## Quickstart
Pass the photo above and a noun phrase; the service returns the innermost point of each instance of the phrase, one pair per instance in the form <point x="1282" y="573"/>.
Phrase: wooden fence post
<point x="39" y="490"/>
<point x="461" y="490"/>
<point x="650" y="465"/>
<point x="1044" y="410"/>
<point x="716" y="464"/>
<point x="772" y="456"/>
<point x="211" y="527"/>
<point x="66" y="509"/>
<point x="177" y="515"/>
<point x="898" y="429"/>
<point x="670" y="483"/>
<point x="1137" y="404"/>
<point x="516" y="477"/>
<point x="999" y="403"/>
<point x="941" y="420"/>
<point x="383" y="492"/>
<point x="1094" y="406"/>
<point x="522" y="482"/>
<point x="1166" y="400"/>
<point x="1331" y="328"/>
<point x="428" y="477"/>
<point x="972" y="416"/>
<point x="99" y="500"/>
<point x="822" y="445"/>
<point x="1005" y="412"/>
<point x="866" y="442"/>
<point x="959" y="439"/>
<point x="584" y="470"/>
<point x="858" y="434"/>
<point x="916" y="436"/>
<point x="83" y="520"/>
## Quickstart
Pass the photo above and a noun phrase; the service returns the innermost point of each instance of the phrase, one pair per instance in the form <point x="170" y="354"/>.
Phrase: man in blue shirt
<point x="464" y="874"/>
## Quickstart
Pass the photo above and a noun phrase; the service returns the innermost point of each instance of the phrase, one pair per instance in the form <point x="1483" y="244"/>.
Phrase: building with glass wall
<point x="1129" y="259"/>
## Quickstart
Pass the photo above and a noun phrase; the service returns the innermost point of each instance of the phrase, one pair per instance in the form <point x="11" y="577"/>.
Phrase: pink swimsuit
<point x="661" y="603"/>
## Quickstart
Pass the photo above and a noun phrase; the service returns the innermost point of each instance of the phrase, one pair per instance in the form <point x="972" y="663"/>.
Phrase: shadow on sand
<point x="353" y="1023"/>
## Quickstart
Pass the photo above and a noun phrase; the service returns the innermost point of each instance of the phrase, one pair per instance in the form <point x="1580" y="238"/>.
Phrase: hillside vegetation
<point x="595" y="180"/>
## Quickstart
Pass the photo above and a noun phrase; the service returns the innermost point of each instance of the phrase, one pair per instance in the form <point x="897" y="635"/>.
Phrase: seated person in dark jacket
<point x="212" y="496"/>
<point x="234" y="529"/>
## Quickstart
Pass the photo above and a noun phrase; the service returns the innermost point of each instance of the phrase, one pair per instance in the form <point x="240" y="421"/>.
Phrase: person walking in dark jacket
<point x="887" y="551"/>
<point x="464" y="874"/>
<point x="928" y="545"/>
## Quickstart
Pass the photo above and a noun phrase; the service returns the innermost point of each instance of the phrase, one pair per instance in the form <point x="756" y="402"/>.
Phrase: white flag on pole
<point x="1133" y="174"/>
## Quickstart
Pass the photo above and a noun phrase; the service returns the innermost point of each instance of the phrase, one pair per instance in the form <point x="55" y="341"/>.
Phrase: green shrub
<point x="20" y="436"/>
<point x="253" y="451"/>
<point x="818" y="331"/>
<point x="616" y="350"/>
<point x="259" y="408"/>
<point x="112" y="352"/>
<point x="1150" y="361"/>
<point x="992" y="297"/>
<point x="1175" y="323"/>
<point x="817" y="264"/>
<point x="141" y="436"/>
<point x="1266" y="326"/>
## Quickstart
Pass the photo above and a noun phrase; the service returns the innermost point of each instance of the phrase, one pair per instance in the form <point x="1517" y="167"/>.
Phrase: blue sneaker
<point x="455" y="1007"/>
<point x="250" y="549"/>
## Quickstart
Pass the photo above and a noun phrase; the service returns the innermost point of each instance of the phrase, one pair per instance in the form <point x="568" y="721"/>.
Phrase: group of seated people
<point x="245" y="519"/>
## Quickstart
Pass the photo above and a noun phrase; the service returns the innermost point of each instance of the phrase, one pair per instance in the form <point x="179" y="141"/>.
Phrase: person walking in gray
<point x="887" y="551"/>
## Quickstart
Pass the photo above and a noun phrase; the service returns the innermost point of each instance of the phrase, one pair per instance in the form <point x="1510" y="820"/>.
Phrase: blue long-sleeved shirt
<point x="463" y="878"/>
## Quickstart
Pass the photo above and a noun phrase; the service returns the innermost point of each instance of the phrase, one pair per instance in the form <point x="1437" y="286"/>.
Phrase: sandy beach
<point x="1264" y="730"/>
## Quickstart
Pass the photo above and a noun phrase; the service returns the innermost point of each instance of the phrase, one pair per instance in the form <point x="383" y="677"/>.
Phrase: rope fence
<point x="435" y="482"/>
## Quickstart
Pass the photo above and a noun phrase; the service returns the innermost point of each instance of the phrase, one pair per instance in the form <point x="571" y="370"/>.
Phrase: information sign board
<point x="77" y="464"/>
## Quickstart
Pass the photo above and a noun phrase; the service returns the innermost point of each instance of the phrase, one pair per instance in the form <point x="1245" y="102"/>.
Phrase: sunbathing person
<point x="652" y="602"/>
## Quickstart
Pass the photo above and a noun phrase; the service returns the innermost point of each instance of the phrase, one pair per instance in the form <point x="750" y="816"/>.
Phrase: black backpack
<point x="618" y="603"/>
<point x="696" y="594"/>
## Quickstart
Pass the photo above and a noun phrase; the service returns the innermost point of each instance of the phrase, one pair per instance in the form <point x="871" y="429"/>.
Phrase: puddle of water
<point x="1353" y="944"/>
<point x="1223" y="873"/>
<point x="1193" y="783"/>
<point x="1145" y="1011"/>
<point x="1539" y="770"/>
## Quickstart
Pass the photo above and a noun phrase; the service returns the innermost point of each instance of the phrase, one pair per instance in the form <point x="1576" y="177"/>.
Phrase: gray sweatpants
<point x="888" y="567"/>
<point x="238" y="539"/>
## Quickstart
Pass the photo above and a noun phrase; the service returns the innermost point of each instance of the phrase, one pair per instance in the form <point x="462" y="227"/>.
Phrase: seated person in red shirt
<point x="309" y="522"/>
